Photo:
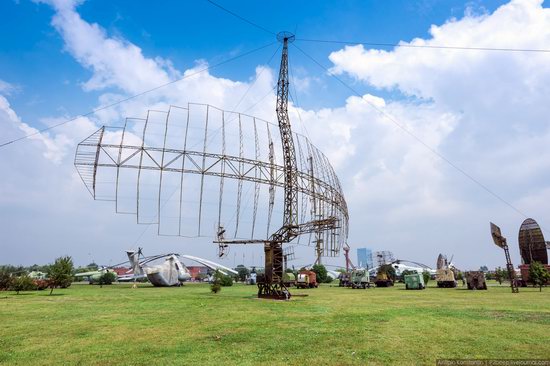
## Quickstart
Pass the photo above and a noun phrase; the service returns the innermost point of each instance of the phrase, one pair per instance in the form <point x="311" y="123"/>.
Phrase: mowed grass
<point x="117" y="325"/>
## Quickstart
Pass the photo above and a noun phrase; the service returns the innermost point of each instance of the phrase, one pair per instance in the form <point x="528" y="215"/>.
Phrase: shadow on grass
<point x="412" y="289"/>
<point x="466" y="289"/>
<point x="54" y="294"/>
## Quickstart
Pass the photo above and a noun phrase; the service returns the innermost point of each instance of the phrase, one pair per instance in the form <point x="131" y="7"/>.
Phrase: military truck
<point x="414" y="281"/>
<point x="445" y="277"/>
<point x="383" y="280"/>
<point x="360" y="278"/>
<point x="306" y="279"/>
<point x="289" y="279"/>
<point x="476" y="280"/>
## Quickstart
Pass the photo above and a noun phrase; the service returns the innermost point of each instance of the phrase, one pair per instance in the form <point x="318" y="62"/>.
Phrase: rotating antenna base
<point x="274" y="291"/>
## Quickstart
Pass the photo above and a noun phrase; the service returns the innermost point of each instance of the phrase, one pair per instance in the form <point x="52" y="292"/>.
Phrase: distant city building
<point x="364" y="258"/>
<point x="121" y="271"/>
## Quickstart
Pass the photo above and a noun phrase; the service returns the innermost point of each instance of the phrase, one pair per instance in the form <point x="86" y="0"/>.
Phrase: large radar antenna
<point x="189" y="168"/>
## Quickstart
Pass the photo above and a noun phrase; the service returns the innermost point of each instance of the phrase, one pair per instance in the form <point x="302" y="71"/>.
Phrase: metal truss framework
<point x="178" y="143"/>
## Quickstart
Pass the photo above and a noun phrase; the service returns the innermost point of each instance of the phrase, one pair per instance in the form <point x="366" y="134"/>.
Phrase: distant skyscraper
<point x="364" y="258"/>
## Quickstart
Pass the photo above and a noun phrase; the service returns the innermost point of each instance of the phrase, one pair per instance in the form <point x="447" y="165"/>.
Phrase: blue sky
<point x="484" y="111"/>
<point x="32" y="54"/>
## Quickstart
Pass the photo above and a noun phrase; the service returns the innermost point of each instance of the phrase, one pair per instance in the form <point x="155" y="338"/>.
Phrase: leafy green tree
<point x="427" y="276"/>
<point x="107" y="278"/>
<point x="484" y="269"/>
<point x="60" y="273"/>
<point x="538" y="274"/>
<point x="23" y="283"/>
<point x="242" y="272"/>
<point x="320" y="272"/>
<point x="216" y="286"/>
<point x="500" y="275"/>
<point x="6" y="279"/>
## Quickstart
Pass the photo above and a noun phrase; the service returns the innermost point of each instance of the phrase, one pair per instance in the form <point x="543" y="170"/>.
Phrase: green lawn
<point x="332" y="326"/>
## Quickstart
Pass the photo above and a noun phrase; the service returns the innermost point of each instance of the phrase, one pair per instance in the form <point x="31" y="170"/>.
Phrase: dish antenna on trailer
<point x="175" y="169"/>
<point x="532" y="245"/>
<point x="500" y="241"/>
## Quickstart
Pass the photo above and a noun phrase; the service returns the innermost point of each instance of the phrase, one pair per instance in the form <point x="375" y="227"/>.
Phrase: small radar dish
<point x="285" y="36"/>
<point x="499" y="240"/>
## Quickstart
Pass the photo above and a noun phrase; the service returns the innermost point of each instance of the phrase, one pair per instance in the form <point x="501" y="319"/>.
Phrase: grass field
<point x="117" y="325"/>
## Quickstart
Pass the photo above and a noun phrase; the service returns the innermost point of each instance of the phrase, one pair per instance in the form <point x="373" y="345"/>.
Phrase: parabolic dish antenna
<point x="532" y="246"/>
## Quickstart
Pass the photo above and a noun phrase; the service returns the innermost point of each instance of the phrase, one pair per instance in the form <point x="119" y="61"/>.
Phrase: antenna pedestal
<point x="272" y="286"/>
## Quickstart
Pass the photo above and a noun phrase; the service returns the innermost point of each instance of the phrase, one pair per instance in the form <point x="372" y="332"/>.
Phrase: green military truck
<point x="414" y="281"/>
<point x="360" y="278"/>
<point x="289" y="279"/>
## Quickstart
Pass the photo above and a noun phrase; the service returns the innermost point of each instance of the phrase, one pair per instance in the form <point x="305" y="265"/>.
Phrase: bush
<point x="215" y="286"/>
<point x="107" y="278"/>
<point x="41" y="284"/>
<point x="426" y="276"/>
<point x="226" y="281"/>
<point x="23" y="283"/>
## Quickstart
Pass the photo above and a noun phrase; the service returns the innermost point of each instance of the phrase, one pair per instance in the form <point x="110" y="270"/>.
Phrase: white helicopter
<point x="401" y="265"/>
<point x="171" y="272"/>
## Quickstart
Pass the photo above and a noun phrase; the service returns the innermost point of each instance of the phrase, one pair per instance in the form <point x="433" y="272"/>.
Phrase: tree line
<point x="58" y="275"/>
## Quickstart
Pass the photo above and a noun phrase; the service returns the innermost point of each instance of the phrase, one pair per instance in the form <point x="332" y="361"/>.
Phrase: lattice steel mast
<point x="273" y="286"/>
<point x="289" y="153"/>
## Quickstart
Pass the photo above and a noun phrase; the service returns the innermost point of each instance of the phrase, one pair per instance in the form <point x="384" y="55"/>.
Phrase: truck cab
<point x="360" y="279"/>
